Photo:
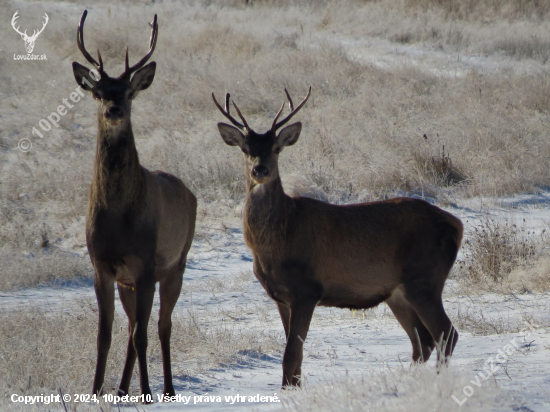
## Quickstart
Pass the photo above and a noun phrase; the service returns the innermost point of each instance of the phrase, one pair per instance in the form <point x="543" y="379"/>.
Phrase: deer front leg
<point x="145" y="291"/>
<point x="170" y="289"/>
<point x="300" y="318"/>
<point x="105" y="293"/>
<point x="128" y="299"/>
<point x="144" y="274"/>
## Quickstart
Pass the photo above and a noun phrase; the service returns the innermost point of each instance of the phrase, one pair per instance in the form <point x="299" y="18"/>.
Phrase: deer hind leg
<point x="421" y="339"/>
<point x="128" y="299"/>
<point x="429" y="307"/>
<point x="170" y="289"/>
<point x="284" y="312"/>
<point x="300" y="318"/>
<point x="105" y="293"/>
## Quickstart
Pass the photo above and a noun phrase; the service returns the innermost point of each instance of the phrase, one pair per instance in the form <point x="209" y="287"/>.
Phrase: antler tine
<point x="227" y="102"/>
<point x="100" y="61"/>
<point x="80" y="42"/>
<point x="241" y="116"/>
<point x="226" y="111"/>
<point x="278" y="114"/>
<point x="289" y="100"/>
<point x="153" y="26"/>
<point x="152" y="45"/>
<point x="293" y="112"/>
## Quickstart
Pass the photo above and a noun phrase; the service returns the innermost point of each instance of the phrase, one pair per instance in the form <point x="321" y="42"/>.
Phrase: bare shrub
<point x="494" y="249"/>
<point x="438" y="169"/>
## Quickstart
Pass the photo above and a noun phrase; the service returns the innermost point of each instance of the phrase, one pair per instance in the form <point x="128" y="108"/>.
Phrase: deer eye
<point x="277" y="150"/>
<point x="131" y="95"/>
<point x="96" y="95"/>
<point x="245" y="151"/>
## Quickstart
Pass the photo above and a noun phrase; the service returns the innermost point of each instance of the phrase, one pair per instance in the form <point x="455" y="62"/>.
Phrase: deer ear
<point x="287" y="137"/>
<point x="231" y="135"/>
<point x="82" y="77"/>
<point x="143" y="78"/>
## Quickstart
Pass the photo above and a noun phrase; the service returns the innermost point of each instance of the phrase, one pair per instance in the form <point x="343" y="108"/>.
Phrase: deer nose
<point x="113" y="112"/>
<point x="260" y="171"/>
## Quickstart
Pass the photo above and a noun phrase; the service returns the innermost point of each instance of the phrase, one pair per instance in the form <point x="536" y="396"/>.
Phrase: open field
<point x="446" y="100"/>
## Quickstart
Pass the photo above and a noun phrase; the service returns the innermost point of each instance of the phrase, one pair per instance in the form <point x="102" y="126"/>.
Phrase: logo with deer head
<point x="29" y="40"/>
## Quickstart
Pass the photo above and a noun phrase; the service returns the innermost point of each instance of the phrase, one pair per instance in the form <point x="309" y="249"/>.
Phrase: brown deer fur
<point x="139" y="224"/>
<point x="308" y="253"/>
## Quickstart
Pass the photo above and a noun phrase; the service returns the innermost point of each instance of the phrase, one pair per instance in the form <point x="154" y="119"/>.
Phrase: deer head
<point x="29" y="41"/>
<point x="261" y="150"/>
<point x="114" y="95"/>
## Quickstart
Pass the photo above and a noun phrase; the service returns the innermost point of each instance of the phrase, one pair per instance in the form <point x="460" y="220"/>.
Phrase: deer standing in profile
<point x="139" y="224"/>
<point x="308" y="253"/>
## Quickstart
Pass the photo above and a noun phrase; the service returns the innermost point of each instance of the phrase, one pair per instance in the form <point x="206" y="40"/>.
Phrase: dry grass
<point x="437" y="168"/>
<point x="514" y="28"/>
<point x="209" y="339"/>
<point x="42" y="352"/>
<point x="506" y="256"/>
<point x="477" y="323"/>
<point x="370" y="131"/>
<point x="529" y="278"/>
<point x="495" y="249"/>
<point x="28" y="269"/>
<point x="480" y="10"/>
<point x="418" y="388"/>
<point x="230" y="282"/>
<point x="364" y="126"/>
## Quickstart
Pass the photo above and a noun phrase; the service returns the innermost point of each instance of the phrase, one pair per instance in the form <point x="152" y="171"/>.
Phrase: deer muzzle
<point x="113" y="114"/>
<point x="260" y="173"/>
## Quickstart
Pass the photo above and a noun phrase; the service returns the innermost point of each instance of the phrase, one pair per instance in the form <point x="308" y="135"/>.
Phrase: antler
<point x="152" y="44"/>
<point x="80" y="42"/>
<point x="228" y="115"/>
<point x="35" y="33"/>
<point x="276" y="125"/>
<point x="15" y="17"/>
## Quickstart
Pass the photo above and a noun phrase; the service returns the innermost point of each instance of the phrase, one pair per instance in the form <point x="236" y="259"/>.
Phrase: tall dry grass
<point x="369" y="132"/>
<point x="504" y="255"/>
<point x="476" y="10"/>
<point x="44" y="352"/>
<point x="418" y="388"/>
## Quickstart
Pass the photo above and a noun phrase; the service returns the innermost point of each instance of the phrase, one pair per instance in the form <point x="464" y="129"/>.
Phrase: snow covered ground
<point x="342" y="344"/>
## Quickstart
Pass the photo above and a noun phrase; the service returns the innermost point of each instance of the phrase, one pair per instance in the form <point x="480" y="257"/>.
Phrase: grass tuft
<point x="494" y="249"/>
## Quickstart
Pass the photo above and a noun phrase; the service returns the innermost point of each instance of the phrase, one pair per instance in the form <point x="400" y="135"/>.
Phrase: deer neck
<point x="265" y="212"/>
<point x="118" y="180"/>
